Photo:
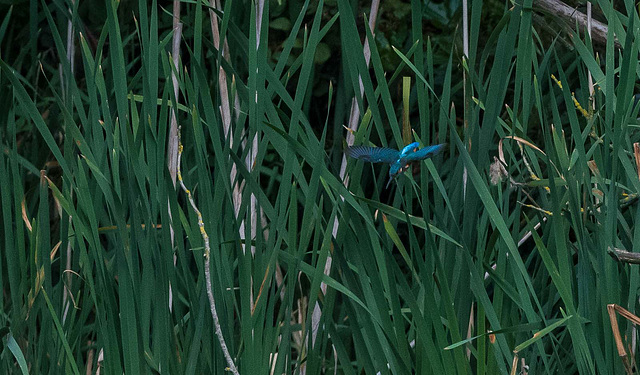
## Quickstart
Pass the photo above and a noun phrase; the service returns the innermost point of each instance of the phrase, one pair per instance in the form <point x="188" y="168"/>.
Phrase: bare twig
<point x="207" y="267"/>
<point x="597" y="30"/>
<point x="624" y="256"/>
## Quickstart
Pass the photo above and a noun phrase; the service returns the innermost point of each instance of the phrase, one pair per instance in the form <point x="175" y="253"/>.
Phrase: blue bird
<point x="399" y="160"/>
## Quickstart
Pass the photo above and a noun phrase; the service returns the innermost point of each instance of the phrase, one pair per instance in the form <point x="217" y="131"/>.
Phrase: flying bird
<point x="399" y="160"/>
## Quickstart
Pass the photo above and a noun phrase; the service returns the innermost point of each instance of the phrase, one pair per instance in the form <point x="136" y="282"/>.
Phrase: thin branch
<point x="597" y="30"/>
<point x="624" y="256"/>
<point x="207" y="267"/>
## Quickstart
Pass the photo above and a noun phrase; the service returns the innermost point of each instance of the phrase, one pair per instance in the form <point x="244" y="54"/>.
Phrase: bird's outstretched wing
<point x="373" y="154"/>
<point x="424" y="153"/>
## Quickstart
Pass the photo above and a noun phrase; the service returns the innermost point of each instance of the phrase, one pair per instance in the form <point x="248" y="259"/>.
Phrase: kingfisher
<point x="399" y="160"/>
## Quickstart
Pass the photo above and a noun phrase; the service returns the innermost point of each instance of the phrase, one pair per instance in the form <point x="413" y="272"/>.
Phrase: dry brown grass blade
<point x="636" y="153"/>
<point x="612" y="309"/>
<point x="25" y="217"/>
<point x="266" y="275"/>
<point x="514" y="364"/>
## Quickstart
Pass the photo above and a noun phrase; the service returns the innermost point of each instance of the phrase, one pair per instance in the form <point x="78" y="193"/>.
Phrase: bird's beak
<point x="389" y="183"/>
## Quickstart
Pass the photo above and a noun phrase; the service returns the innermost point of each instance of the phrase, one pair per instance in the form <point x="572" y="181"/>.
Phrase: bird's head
<point x="395" y="169"/>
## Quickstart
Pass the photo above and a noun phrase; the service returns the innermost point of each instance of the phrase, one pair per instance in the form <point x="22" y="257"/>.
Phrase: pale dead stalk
<point x="71" y="50"/>
<point x="207" y="267"/>
<point x="172" y="147"/>
<point x="467" y="104"/>
<point x="354" y="119"/>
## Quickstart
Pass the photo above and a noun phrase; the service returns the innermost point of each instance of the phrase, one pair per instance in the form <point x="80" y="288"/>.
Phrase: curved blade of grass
<point x="13" y="346"/>
<point x="413" y="220"/>
<point x="61" y="335"/>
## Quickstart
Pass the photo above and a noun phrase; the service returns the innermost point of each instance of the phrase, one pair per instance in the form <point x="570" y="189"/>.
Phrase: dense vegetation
<point x="492" y="257"/>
